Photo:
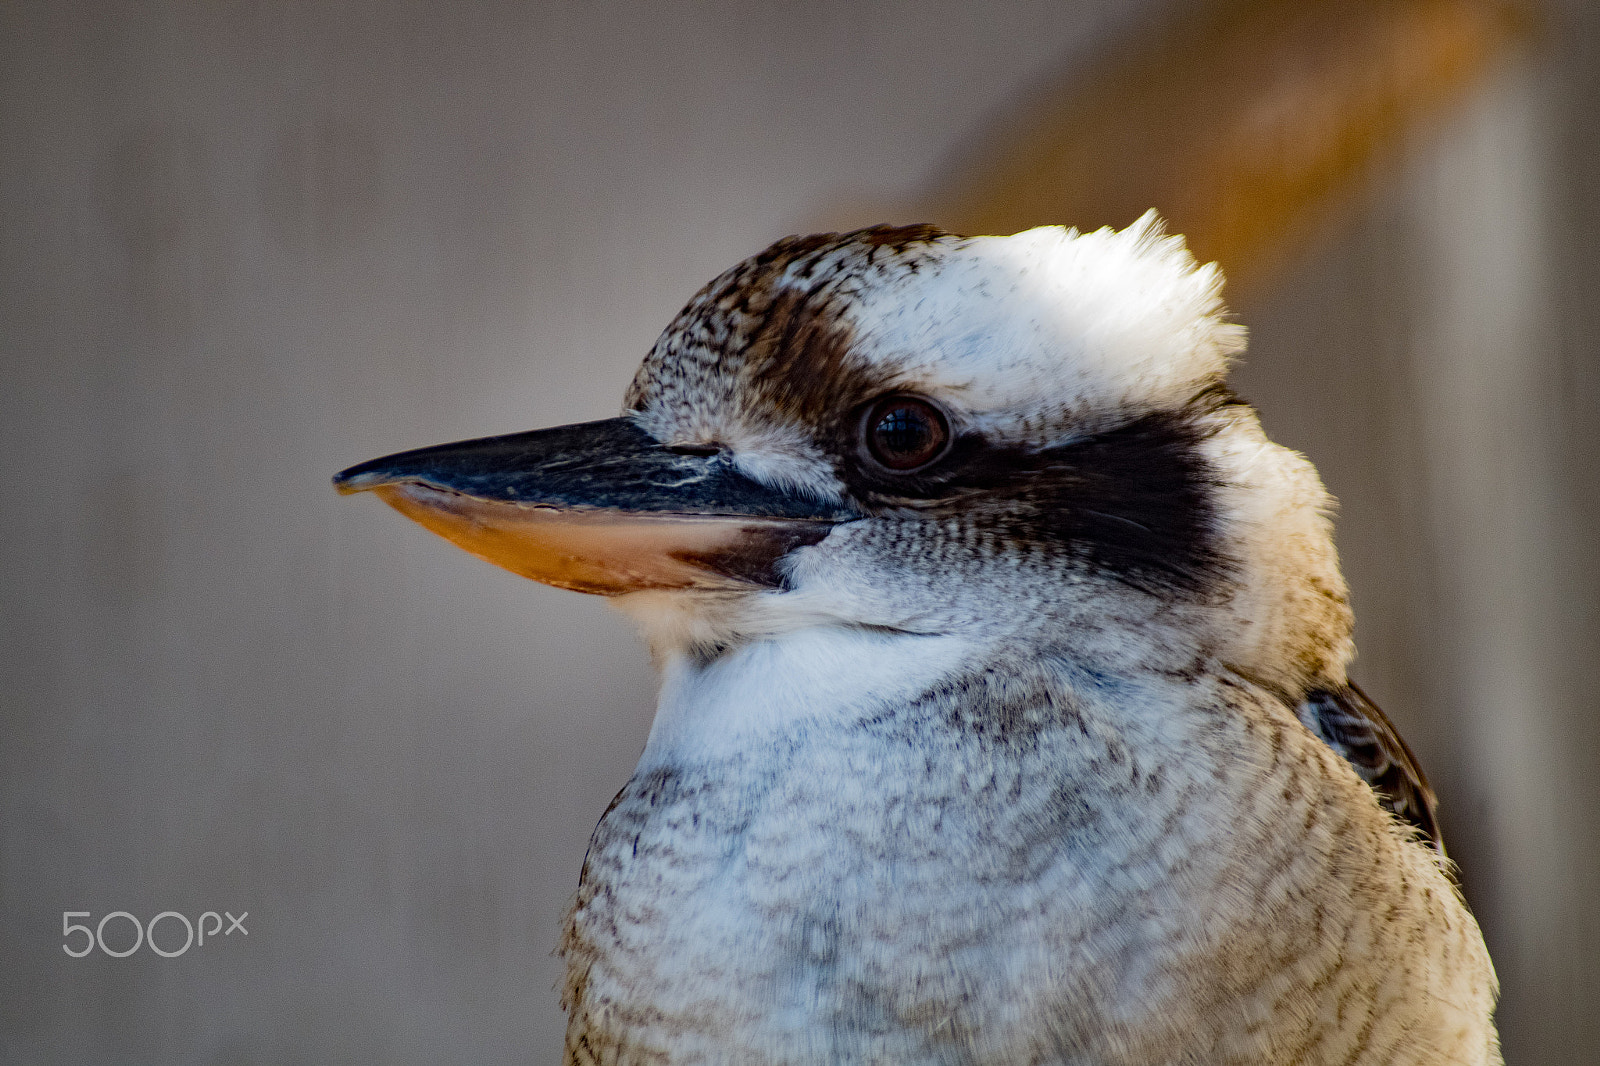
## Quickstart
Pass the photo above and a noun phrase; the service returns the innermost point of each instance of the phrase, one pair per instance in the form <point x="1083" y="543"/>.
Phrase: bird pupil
<point x="904" y="431"/>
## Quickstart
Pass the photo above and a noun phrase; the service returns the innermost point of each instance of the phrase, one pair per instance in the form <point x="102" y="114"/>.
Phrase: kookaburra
<point x="1004" y="715"/>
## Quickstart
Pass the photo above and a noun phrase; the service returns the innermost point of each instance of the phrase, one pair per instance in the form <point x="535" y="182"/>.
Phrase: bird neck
<point x="769" y="691"/>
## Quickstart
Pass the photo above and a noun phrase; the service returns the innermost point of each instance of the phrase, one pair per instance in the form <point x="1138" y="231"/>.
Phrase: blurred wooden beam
<point x="1249" y="123"/>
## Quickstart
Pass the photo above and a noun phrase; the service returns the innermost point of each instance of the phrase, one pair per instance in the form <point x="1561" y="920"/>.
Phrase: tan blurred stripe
<point x="1246" y="124"/>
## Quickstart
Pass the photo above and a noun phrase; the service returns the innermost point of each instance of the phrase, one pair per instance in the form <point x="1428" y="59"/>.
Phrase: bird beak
<point x="599" y="507"/>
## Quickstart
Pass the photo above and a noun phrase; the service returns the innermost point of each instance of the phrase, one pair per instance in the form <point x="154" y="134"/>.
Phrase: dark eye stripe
<point x="1135" y="502"/>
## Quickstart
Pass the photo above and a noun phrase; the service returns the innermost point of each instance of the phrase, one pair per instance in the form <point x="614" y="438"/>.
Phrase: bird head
<point x="1023" y="439"/>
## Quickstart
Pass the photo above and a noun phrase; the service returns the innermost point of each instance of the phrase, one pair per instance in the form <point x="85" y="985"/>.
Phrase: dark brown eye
<point x="903" y="432"/>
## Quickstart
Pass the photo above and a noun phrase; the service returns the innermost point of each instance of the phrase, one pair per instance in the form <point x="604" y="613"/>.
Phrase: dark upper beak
<point x="599" y="507"/>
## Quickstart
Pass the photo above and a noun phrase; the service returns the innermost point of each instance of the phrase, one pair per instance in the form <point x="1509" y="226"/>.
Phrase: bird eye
<point x="904" y="433"/>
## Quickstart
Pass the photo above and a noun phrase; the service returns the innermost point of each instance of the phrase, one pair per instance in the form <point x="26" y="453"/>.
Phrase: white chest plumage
<point x="1115" y="872"/>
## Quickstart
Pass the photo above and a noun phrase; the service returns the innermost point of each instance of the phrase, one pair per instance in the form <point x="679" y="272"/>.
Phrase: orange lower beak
<point x="607" y="553"/>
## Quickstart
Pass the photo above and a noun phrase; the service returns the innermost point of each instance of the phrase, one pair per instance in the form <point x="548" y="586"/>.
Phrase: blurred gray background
<point x="243" y="245"/>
